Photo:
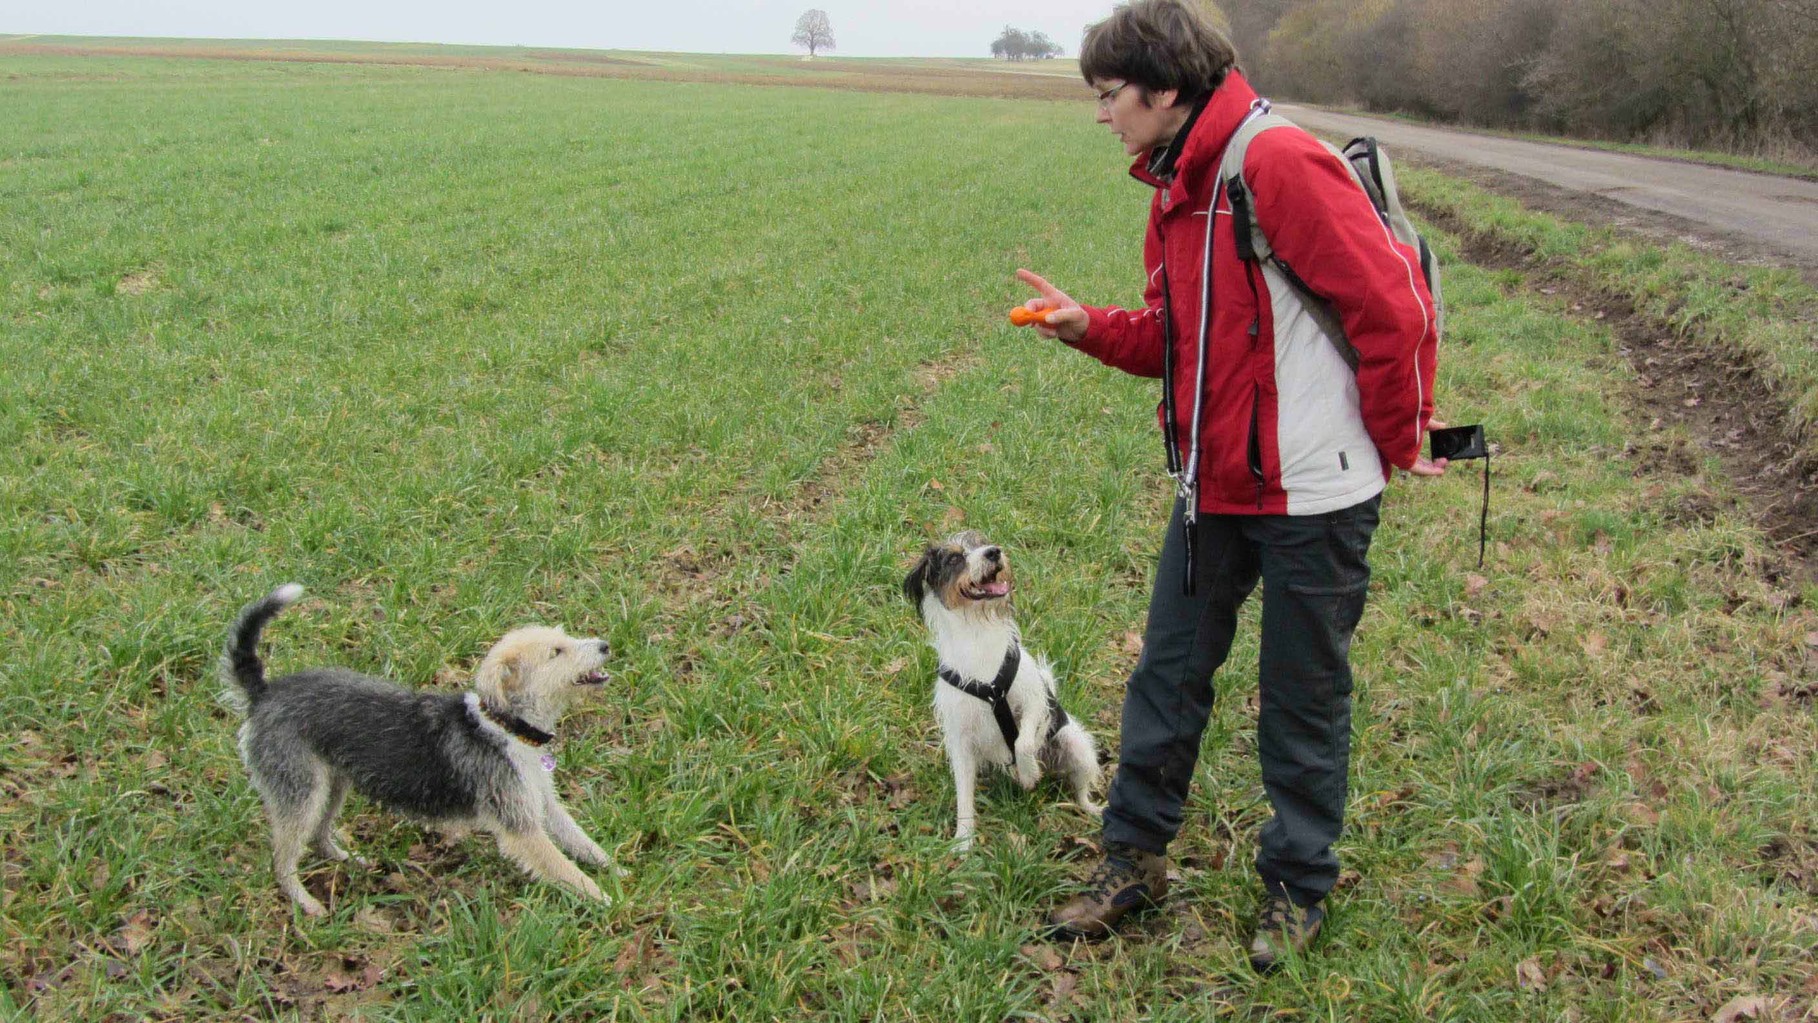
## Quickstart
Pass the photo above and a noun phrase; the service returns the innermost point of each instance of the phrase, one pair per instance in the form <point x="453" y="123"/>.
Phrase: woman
<point x="1280" y="442"/>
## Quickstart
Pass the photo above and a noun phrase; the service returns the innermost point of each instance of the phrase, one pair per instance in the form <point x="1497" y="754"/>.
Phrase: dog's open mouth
<point x="990" y="589"/>
<point x="594" y="678"/>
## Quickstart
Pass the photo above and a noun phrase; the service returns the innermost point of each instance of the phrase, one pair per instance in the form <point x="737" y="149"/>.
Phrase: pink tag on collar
<point x="548" y="762"/>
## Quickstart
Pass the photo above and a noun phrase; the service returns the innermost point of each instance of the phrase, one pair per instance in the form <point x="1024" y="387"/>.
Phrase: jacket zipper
<point x="1255" y="445"/>
<point x="1255" y="303"/>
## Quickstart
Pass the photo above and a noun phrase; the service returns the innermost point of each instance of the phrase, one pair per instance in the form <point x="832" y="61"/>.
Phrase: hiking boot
<point x="1282" y="929"/>
<point x="1128" y="879"/>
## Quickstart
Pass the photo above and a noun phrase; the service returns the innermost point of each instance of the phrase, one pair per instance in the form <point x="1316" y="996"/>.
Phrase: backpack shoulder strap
<point x="1252" y="244"/>
<point x="1231" y="172"/>
<point x="1371" y="167"/>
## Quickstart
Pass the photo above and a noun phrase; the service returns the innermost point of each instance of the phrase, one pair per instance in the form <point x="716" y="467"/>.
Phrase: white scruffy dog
<point x="995" y="701"/>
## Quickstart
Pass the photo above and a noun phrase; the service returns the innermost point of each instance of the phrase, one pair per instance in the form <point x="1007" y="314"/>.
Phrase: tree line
<point x="1016" y="44"/>
<point x="1730" y="74"/>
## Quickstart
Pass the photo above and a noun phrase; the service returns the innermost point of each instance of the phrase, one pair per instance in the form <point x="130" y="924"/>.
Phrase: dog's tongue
<point x="998" y="588"/>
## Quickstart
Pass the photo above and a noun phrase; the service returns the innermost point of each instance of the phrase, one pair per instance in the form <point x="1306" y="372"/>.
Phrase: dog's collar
<point x="995" y="692"/>
<point x="529" y="733"/>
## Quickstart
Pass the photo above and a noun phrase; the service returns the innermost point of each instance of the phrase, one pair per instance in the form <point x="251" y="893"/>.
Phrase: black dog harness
<point x="997" y="693"/>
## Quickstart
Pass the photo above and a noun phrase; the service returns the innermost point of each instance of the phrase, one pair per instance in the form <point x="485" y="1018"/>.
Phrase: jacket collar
<point x="1196" y="150"/>
<point x="1162" y="159"/>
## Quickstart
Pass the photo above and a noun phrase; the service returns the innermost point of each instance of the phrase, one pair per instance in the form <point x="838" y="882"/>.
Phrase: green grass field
<point x="698" y="367"/>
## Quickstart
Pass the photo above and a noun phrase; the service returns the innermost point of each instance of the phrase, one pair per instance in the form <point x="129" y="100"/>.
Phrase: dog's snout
<point x="605" y="648"/>
<point x="994" y="554"/>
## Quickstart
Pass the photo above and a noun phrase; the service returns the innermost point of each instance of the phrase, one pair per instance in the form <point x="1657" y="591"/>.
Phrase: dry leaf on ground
<point x="1529" y="976"/>
<point x="1741" y="1007"/>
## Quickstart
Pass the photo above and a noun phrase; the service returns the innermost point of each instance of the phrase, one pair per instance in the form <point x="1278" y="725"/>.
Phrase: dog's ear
<point x="501" y="674"/>
<point x="915" y="585"/>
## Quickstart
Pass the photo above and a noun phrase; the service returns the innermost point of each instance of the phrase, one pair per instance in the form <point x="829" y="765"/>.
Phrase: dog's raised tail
<point x="240" y="664"/>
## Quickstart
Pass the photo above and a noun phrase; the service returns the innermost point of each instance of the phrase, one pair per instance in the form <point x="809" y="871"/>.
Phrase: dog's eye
<point x="557" y="652"/>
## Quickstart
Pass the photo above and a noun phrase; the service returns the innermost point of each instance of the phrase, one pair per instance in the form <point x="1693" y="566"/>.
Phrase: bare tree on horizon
<point x="814" y="31"/>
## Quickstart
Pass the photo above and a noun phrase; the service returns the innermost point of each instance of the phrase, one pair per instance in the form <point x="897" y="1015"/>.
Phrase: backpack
<point x="1369" y="167"/>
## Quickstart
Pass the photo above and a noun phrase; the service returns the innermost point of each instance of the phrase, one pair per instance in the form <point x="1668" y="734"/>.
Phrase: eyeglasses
<point x="1105" y="98"/>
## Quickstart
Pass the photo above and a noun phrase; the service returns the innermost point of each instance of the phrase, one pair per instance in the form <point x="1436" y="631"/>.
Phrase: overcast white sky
<point x="861" y="28"/>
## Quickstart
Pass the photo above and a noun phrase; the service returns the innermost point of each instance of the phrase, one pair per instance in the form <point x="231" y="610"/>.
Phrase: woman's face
<point x="1140" y="119"/>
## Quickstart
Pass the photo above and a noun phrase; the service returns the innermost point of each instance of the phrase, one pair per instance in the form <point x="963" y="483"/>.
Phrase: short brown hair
<point x="1159" y="45"/>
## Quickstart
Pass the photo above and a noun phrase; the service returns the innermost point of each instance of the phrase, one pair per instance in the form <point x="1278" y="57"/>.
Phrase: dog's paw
<point x="594" y="856"/>
<point x="311" y="907"/>
<point x="602" y="860"/>
<point x="1027" y="779"/>
<point x="341" y="855"/>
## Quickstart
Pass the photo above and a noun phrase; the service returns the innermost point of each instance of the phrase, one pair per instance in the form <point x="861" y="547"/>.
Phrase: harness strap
<point x="995" y="692"/>
<point x="1057" y="718"/>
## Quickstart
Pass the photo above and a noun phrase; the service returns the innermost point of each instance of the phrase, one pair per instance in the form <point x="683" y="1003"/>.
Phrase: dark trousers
<point x="1315" y="573"/>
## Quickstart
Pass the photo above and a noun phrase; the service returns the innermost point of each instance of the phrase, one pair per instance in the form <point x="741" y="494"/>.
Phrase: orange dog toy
<point x="1021" y="317"/>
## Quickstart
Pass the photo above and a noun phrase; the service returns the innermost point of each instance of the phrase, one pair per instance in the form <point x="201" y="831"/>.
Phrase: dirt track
<point x="1722" y="404"/>
<point x="1755" y="218"/>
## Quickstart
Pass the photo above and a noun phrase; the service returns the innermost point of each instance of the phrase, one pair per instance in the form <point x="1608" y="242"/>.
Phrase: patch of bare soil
<point x="137" y="283"/>
<point x="1721" y="403"/>
<point x="867" y="438"/>
<point x="585" y="57"/>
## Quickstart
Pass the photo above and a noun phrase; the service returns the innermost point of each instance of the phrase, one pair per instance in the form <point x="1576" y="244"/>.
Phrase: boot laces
<point x="1112" y="873"/>
<point x="1278" y="917"/>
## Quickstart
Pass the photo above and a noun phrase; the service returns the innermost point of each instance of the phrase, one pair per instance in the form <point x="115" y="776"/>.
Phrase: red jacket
<point x="1286" y="426"/>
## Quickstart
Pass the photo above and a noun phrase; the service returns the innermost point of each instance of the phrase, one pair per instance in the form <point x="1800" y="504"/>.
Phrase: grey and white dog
<point x="996" y="702"/>
<point x="458" y="762"/>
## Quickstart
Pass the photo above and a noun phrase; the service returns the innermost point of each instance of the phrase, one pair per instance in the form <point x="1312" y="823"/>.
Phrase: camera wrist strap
<point x="1483" y="519"/>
